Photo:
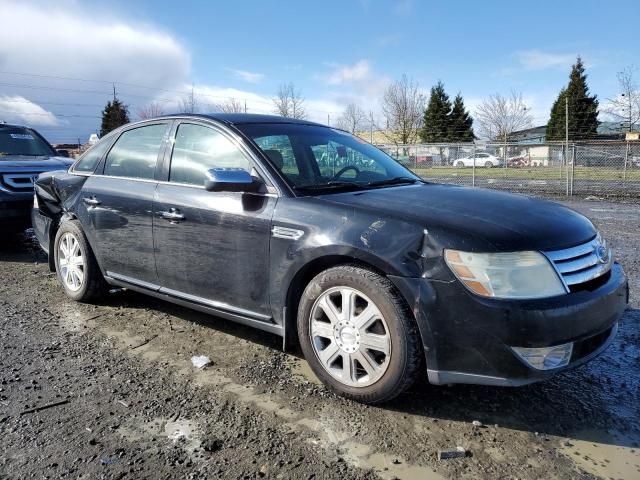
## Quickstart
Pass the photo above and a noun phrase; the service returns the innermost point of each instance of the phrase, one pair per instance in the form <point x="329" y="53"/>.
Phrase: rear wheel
<point x="357" y="334"/>
<point x="460" y="164"/>
<point x="76" y="265"/>
<point x="488" y="164"/>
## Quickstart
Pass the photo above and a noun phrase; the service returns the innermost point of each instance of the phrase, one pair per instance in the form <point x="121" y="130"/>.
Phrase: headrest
<point x="276" y="157"/>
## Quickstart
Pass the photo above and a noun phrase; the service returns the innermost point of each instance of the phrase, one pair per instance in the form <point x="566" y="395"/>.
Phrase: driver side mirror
<point x="231" y="180"/>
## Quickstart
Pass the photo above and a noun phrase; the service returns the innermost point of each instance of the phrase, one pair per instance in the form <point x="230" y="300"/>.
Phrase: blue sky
<point x="334" y="51"/>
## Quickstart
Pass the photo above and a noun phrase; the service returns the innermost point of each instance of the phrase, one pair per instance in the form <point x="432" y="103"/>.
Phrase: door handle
<point x="91" y="201"/>
<point x="173" y="215"/>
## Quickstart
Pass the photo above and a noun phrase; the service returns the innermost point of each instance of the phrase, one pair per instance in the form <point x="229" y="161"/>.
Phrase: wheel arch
<point x="307" y="272"/>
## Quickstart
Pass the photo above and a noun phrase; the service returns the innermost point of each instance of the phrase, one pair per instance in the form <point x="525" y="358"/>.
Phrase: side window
<point x="89" y="161"/>
<point x="197" y="149"/>
<point x="135" y="153"/>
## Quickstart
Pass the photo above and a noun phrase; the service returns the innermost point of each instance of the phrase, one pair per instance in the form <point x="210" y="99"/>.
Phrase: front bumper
<point x="15" y="208"/>
<point x="468" y="339"/>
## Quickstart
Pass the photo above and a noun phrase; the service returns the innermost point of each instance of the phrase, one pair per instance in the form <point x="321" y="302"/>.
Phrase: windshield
<point x="23" y="141"/>
<point x="315" y="159"/>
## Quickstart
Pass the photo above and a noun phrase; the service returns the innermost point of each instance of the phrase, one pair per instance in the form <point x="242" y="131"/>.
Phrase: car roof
<point x="9" y="125"/>
<point x="246" y="118"/>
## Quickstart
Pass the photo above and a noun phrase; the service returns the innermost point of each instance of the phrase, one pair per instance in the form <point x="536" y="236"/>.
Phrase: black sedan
<point x="308" y="232"/>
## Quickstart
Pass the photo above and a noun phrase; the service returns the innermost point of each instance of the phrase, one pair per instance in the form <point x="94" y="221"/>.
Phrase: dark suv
<point x="24" y="153"/>
<point x="308" y="232"/>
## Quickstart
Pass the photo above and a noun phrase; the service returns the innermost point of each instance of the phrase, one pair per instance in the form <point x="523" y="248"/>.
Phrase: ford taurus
<point x="311" y="233"/>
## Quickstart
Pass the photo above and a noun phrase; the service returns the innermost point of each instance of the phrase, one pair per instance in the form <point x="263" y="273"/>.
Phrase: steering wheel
<point x="346" y="169"/>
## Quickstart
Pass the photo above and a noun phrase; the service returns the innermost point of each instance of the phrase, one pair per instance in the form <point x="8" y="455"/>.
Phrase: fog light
<point x="545" y="358"/>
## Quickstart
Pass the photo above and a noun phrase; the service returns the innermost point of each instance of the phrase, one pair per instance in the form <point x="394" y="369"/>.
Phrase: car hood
<point x="508" y="222"/>
<point x="22" y="162"/>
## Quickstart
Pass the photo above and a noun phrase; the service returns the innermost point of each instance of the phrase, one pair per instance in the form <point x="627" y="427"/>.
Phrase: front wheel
<point x="488" y="164"/>
<point x="76" y="265"/>
<point x="358" y="335"/>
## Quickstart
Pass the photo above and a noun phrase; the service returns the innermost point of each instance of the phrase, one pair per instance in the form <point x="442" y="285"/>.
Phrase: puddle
<point x="301" y="369"/>
<point x="611" y="457"/>
<point x="362" y="455"/>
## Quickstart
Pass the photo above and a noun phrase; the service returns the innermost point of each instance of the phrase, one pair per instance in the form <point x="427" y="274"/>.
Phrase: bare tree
<point x="403" y="109"/>
<point x="625" y="107"/>
<point x="353" y="118"/>
<point x="498" y="116"/>
<point x="189" y="103"/>
<point x="231" y="105"/>
<point x="150" y="111"/>
<point x="289" y="102"/>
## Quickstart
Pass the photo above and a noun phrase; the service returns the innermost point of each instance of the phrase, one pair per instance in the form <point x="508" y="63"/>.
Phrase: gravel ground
<point x="109" y="391"/>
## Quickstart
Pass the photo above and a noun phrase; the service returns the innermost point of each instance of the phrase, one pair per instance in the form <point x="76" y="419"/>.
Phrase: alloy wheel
<point x="71" y="262"/>
<point x="350" y="337"/>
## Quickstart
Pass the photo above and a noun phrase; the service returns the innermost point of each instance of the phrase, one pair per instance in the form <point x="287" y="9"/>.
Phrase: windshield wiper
<point x="332" y="184"/>
<point x="392" y="181"/>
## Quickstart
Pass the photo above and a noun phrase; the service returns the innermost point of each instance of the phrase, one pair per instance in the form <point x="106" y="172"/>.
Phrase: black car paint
<point x="223" y="257"/>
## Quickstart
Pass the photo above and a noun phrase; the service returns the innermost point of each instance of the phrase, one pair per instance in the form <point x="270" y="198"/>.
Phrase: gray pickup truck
<point x="24" y="154"/>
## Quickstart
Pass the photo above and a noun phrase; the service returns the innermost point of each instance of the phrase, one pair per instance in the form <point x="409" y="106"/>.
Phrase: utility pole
<point x="114" y="92"/>
<point x="328" y="120"/>
<point x="245" y="106"/>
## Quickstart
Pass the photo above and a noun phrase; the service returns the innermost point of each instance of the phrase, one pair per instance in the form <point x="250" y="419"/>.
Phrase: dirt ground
<point x="125" y="401"/>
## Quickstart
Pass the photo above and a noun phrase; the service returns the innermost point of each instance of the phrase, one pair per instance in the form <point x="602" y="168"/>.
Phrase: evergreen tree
<point x="583" y="108"/>
<point x="436" y="127"/>
<point x="114" y="115"/>
<point x="460" y="122"/>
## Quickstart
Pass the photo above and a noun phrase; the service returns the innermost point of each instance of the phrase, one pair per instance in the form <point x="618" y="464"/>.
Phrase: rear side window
<point x="135" y="153"/>
<point x="89" y="161"/>
<point x="197" y="149"/>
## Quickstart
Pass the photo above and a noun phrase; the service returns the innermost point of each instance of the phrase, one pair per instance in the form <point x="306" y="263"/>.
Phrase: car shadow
<point x="20" y="247"/>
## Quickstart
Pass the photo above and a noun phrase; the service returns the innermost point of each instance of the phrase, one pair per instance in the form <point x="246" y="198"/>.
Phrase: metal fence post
<point x="626" y="159"/>
<point x="573" y="167"/>
<point x="473" y="168"/>
<point x="566" y="165"/>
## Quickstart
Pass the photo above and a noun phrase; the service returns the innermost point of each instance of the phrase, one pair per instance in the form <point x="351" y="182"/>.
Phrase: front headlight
<point x="505" y="275"/>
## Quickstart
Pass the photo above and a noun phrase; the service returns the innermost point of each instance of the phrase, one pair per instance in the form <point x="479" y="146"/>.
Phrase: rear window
<point x="23" y="141"/>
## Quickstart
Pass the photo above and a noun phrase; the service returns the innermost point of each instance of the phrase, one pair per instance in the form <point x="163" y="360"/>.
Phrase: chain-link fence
<point x="581" y="168"/>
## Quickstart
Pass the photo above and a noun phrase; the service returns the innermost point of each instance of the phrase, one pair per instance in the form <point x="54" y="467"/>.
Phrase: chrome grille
<point x="583" y="263"/>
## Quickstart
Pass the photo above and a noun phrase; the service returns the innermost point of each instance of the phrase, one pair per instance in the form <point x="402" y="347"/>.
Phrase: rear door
<point x="212" y="247"/>
<point x="116" y="208"/>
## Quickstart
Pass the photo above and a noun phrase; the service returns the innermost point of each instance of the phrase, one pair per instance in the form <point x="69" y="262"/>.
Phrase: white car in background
<point x="481" y="159"/>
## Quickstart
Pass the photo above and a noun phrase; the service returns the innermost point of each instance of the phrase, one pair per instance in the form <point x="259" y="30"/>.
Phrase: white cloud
<point x="71" y="42"/>
<point x="348" y="74"/>
<point x="250" y="77"/>
<point x="17" y="109"/>
<point x="539" y="60"/>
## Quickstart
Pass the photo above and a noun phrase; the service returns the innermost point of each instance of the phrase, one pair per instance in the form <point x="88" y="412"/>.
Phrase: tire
<point x="488" y="164"/>
<point x="342" y="342"/>
<point x="92" y="285"/>
<point x="460" y="164"/>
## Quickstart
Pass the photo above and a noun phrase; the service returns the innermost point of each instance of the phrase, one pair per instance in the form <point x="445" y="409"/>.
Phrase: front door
<point x="212" y="247"/>
<point x="116" y="209"/>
